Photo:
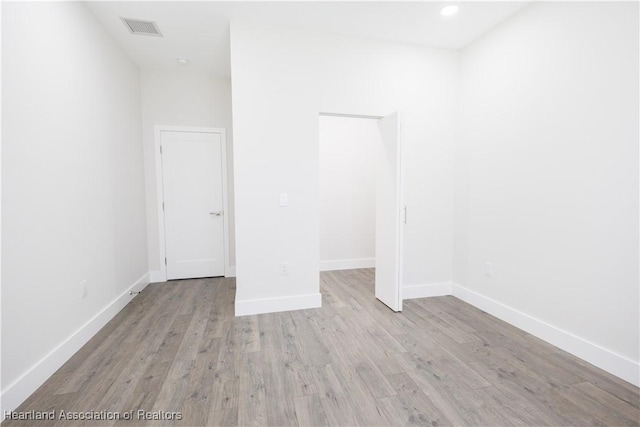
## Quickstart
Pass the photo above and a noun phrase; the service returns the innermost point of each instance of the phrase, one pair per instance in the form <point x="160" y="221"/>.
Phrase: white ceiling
<point x="199" y="30"/>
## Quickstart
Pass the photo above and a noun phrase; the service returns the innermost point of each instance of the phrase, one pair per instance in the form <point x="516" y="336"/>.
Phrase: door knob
<point x="215" y="213"/>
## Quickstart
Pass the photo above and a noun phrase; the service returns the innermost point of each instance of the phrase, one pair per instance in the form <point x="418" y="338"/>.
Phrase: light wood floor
<point x="177" y="347"/>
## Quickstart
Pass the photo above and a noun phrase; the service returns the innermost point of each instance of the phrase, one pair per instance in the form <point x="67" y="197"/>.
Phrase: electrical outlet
<point x="284" y="268"/>
<point x="83" y="289"/>
<point x="488" y="269"/>
<point x="284" y="199"/>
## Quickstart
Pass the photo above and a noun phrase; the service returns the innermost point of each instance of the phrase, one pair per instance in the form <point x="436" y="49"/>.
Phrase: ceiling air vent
<point x="144" y="28"/>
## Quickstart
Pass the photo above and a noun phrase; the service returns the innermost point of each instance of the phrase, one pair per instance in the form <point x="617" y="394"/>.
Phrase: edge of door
<point x="162" y="249"/>
<point x="401" y="206"/>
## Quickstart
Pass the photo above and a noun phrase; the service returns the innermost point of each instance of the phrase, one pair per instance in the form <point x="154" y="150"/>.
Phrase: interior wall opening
<point x="360" y="192"/>
<point x="348" y="195"/>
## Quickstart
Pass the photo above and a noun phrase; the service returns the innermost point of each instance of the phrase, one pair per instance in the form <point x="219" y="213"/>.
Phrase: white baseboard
<point x="424" y="291"/>
<point x="274" y="305"/>
<point x="230" y="271"/>
<point x="157" y="276"/>
<point x="347" y="264"/>
<point x="607" y="360"/>
<point x="23" y="387"/>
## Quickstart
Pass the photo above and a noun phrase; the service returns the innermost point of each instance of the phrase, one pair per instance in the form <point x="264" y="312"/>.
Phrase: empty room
<point x="320" y="213"/>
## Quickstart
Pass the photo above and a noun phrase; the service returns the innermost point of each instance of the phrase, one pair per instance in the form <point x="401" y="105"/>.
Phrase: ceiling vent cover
<point x="144" y="28"/>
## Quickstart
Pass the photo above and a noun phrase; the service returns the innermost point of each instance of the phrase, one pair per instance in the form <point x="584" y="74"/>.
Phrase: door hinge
<point x="162" y="205"/>
<point x="165" y="260"/>
<point x="161" y="149"/>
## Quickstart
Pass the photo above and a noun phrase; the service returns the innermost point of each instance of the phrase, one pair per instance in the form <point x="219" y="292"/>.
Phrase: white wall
<point x="547" y="175"/>
<point x="275" y="115"/>
<point x="347" y="198"/>
<point x="182" y="98"/>
<point x="72" y="187"/>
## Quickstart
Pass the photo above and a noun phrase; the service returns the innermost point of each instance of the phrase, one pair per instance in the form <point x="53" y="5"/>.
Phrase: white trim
<point x="162" y="250"/>
<point x="230" y="271"/>
<point x="1" y="317"/>
<point x="352" y="116"/>
<point x="157" y="276"/>
<point x="158" y="129"/>
<point x="225" y="200"/>
<point x="401" y="207"/>
<point x="274" y="305"/>
<point x="601" y="357"/>
<point x="427" y="290"/>
<point x="23" y="387"/>
<point x="347" y="264"/>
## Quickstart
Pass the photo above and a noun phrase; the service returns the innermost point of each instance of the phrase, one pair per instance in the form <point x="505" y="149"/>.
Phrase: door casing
<point x="160" y="194"/>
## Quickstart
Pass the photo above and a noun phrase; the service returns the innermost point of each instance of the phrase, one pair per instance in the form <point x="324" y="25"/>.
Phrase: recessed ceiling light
<point x="182" y="61"/>
<point x="449" y="10"/>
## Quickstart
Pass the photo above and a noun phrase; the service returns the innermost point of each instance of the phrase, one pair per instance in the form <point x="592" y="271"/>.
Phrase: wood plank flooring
<point x="178" y="348"/>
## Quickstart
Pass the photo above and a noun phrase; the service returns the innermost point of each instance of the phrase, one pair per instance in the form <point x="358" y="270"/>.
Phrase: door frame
<point x="401" y="217"/>
<point x="158" y="129"/>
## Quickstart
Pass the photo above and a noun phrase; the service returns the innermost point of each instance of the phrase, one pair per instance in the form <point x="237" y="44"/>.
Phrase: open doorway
<point x="347" y="192"/>
<point x="360" y="200"/>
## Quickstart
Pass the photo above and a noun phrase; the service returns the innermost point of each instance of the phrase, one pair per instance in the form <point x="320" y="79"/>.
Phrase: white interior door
<point x="388" y="207"/>
<point x="192" y="176"/>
